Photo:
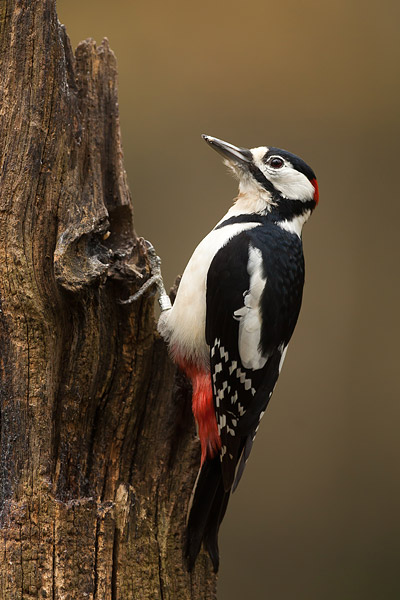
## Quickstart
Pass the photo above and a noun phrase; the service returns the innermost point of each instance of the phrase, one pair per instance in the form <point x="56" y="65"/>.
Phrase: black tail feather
<point x="216" y="515"/>
<point x="208" y="508"/>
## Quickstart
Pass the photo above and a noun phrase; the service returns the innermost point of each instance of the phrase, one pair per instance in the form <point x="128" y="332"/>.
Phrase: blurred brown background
<point x="317" y="514"/>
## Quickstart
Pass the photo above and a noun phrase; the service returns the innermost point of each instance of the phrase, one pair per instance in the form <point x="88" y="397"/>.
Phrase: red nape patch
<point x="316" y="193"/>
<point x="203" y="409"/>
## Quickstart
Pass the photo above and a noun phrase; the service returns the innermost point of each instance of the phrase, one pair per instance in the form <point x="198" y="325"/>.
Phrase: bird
<point x="233" y="317"/>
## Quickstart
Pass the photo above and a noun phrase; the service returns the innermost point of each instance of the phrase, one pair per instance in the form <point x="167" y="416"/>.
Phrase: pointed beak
<point x="228" y="151"/>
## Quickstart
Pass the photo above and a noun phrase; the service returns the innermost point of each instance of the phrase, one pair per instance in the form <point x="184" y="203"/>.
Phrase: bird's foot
<point x="155" y="279"/>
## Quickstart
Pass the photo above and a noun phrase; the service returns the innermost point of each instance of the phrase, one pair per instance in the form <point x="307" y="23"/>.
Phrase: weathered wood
<point x="98" y="455"/>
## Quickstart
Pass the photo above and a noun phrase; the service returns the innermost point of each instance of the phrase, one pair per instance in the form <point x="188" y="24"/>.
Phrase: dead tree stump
<point x="98" y="455"/>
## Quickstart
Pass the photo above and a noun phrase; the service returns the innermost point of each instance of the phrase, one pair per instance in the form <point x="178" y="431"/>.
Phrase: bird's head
<point x="269" y="176"/>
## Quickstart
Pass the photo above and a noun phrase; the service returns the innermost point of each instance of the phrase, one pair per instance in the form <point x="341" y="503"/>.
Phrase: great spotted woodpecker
<point x="234" y="314"/>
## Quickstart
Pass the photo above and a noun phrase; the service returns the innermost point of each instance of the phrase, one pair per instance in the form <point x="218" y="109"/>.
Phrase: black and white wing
<point x="253" y="300"/>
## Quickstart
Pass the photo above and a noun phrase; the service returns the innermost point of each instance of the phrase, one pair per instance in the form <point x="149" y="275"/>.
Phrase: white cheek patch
<point x="293" y="185"/>
<point x="249" y="316"/>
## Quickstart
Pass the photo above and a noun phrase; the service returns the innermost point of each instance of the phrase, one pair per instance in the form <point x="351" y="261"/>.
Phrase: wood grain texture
<point x="97" y="445"/>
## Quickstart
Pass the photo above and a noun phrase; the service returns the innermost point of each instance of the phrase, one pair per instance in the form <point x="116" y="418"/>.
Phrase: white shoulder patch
<point x="249" y="316"/>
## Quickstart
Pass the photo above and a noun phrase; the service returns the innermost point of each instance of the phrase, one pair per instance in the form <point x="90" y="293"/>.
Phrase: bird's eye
<point x="276" y="162"/>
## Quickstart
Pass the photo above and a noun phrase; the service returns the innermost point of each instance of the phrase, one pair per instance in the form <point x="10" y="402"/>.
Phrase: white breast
<point x="184" y="325"/>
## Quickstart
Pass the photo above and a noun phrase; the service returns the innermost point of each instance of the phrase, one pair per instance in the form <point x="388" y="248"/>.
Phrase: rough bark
<point x="98" y="453"/>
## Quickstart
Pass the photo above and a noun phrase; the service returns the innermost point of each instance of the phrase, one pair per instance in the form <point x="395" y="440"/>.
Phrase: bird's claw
<point x="155" y="279"/>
